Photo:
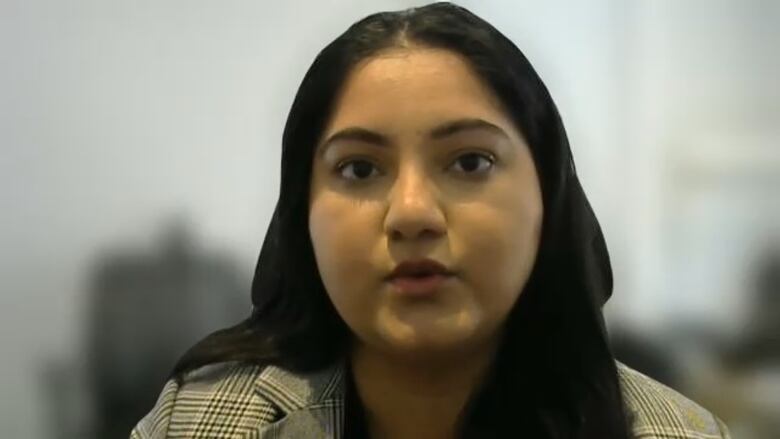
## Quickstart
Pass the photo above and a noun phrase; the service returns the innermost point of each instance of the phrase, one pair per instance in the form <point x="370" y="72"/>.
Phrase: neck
<point x="417" y="398"/>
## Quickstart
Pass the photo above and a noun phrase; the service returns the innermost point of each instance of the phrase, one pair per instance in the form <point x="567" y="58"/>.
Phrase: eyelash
<point x="488" y="157"/>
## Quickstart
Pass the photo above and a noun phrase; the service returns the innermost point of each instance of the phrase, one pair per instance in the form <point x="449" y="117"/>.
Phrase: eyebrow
<point x="444" y="130"/>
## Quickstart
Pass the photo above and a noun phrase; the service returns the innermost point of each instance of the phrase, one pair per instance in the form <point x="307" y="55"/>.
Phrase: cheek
<point x="342" y="243"/>
<point x="501" y="245"/>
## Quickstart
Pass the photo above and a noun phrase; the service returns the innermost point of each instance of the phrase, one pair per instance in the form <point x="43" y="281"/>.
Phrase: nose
<point x="414" y="210"/>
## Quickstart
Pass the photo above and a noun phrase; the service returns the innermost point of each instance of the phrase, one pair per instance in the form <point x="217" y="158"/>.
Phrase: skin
<point x="417" y="196"/>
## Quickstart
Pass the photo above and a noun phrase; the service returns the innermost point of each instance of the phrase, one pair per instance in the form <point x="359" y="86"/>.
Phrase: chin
<point x="423" y="343"/>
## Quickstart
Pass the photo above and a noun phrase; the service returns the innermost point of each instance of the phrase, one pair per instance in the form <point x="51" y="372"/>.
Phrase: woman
<point x="432" y="268"/>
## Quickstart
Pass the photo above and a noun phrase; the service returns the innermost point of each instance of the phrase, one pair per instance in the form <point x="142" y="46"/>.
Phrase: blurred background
<point x="140" y="167"/>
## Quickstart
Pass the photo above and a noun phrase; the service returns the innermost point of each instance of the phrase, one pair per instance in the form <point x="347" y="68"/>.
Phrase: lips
<point x="419" y="268"/>
<point x="419" y="287"/>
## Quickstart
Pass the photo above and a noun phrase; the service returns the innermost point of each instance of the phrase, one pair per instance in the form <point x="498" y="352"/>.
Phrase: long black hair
<point x="554" y="375"/>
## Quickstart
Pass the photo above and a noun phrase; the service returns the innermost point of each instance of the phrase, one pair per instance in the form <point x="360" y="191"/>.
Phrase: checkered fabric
<point x="231" y="400"/>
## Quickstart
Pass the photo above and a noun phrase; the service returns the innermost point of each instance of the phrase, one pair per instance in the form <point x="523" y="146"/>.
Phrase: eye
<point x="471" y="161"/>
<point x="360" y="168"/>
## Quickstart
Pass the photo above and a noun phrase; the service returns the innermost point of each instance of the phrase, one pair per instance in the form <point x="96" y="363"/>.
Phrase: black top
<point x="354" y="415"/>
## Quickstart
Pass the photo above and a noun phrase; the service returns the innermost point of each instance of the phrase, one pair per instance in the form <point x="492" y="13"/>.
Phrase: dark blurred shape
<point x="69" y="409"/>
<point x="145" y="311"/>
<point x="759" y="342"/>
<point x="750" y="378"/>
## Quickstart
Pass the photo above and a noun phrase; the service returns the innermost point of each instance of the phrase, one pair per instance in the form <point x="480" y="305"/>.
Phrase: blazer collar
<point x="296" y="390"/>
<point x="308" y="404"/>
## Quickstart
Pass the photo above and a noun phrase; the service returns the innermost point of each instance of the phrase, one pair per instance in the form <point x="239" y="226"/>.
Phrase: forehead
<point x="413" y="89"/>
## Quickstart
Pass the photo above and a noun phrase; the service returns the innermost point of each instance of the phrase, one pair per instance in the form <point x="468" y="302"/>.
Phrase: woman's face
<point x="419" y="160"/>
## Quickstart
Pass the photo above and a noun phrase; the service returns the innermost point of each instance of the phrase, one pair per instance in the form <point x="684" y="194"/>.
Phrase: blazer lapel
<point x="314" y="422"/>
<point x="311" y="405"/>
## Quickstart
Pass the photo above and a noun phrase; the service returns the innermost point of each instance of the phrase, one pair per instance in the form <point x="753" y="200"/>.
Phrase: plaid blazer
<point x="232" y="400"/>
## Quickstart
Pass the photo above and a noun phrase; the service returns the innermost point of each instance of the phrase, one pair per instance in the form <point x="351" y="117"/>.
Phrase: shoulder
<point x="234" y="399"/>
<point x="661" y="412"/>
<point x="198" y="403"/>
